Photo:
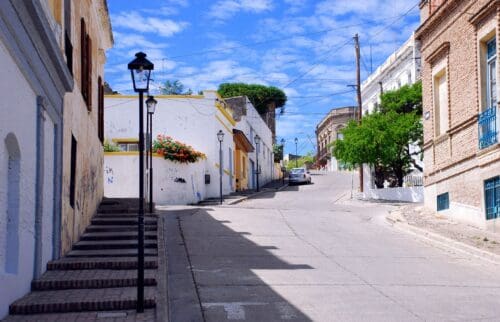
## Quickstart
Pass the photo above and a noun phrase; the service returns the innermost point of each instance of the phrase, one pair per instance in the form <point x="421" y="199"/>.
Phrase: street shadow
<point x="211" y="272"/>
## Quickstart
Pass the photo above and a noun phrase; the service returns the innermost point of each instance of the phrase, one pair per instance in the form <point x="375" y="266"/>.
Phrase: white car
<point x="299" y="175"/>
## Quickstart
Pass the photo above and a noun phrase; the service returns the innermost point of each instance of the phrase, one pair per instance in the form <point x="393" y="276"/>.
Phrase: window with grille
<point x="492" y="197"/>
<point x="443" y="201"/>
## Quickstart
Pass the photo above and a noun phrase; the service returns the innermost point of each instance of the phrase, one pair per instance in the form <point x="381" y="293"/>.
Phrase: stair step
<point x="124" y="215"/>
<point x="117" y="228"/>
<point x="114" y="263"/>
<point x="121" y="221"/>
<point x="111" y="253"/>
<point x="79" y="300"/>
<point x="120" y="235"/>
<point x="112" y="244"/>
<point x="123" y="315"/>
<point x="62" y="280"/>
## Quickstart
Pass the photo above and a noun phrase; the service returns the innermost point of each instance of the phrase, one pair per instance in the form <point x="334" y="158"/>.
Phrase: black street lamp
<point x="140" y="70"/>
<point x="220" y="137"/>
<point x="151" y="104"/>
<point x="257" y="172"/>
<point x="296" y="155"/>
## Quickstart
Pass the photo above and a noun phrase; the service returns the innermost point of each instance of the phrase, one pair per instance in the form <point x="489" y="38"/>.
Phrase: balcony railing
<point x="488" y="128"/>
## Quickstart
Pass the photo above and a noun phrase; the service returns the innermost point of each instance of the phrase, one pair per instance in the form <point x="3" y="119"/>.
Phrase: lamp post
<point x="296" y="155"/>
<point x="257" y="172"/>
<point x="151" y="104"/>
<point x="140" y="70"/>
<point x="282" y="157"/>
<point x="220" y="137"/>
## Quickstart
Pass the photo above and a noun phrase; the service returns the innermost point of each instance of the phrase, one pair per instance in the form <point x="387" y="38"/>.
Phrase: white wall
<point x="407" y="194"/>
<point x="194" y="121"/>
<point x="17" y="115"/>
<point x="174" y="183"/>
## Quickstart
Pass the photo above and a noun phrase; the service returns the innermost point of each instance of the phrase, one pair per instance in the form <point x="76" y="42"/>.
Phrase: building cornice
<point x="484" y="12"/>
<point x="436" y="17"/>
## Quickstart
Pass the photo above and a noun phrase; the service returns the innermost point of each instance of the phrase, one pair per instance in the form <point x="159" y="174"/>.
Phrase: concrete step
<point x="79" y="300"/>
<point x="112" y="263"/>
<point x="123" y="315"/>
<point x="121" y="221"/>
<point x="112" y="244"/>
<point x="111" y="253"/>
<point x="120" y="235"/>
<point x="124" y="215"/>
<point x="117" y="228"/>
<point x="62" y="280"/>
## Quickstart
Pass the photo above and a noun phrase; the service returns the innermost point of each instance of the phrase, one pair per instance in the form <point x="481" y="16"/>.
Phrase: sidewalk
<point x="237" y="197"/>
<point x="446" y="233"/>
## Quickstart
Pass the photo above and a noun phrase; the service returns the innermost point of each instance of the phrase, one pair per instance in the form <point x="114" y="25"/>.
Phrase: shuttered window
<point x="86" y="65"/>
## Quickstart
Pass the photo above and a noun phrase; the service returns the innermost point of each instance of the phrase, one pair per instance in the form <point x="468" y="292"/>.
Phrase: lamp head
<point x="220" y="136"/>
<point x="151" y="104"/>
<point x="140" y="70"/>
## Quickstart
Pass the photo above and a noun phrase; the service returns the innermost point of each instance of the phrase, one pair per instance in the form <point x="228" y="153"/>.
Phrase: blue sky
<point x="303" y="47"/>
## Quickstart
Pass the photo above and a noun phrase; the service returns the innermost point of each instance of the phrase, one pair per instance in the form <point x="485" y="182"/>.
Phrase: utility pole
<point x="358" y="89"/>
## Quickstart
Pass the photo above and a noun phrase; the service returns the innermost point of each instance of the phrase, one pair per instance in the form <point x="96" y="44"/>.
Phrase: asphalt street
<point x="307" y="253"/>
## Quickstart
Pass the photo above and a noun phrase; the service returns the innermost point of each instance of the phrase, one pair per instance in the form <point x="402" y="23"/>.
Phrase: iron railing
<point x="488" y="128"/>
<point x="492" y="197"/>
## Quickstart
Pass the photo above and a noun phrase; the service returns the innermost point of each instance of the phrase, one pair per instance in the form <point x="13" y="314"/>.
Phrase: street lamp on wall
<point x="296" y="153"/>
<point x="257" y="172"/>
<point x="151" y="104"/>
<point x="140" y="70"/>
<point x="220" y="137"/>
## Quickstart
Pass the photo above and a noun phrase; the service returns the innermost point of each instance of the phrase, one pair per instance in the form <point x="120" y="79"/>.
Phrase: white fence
<point x="406" y="194"/>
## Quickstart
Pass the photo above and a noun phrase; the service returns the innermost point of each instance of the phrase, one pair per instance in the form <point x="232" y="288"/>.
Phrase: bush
<point x="176" y="151"/>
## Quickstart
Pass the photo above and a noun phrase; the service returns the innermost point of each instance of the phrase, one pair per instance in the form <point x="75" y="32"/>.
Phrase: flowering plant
<point x="176" y="151"/>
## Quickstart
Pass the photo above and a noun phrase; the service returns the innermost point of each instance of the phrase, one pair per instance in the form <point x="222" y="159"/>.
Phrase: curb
<point x="236" y="201"/>
<point x="444" y="243"/>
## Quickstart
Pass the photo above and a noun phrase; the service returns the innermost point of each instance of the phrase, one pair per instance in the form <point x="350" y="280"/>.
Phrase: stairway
<point x="99" y="273"/>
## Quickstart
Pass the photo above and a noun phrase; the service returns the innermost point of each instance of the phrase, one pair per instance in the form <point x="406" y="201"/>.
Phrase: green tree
<point x="406" y="99"/>
<point x="174" y="88"/>
<point x="278" y="152"/>
<point x="305" y="161"/>
<point x="260" y="96"/>
<point x="382" y="139"/>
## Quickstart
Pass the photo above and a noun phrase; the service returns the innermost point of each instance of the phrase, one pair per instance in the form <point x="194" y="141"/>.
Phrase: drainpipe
<point x="37" y="268"/>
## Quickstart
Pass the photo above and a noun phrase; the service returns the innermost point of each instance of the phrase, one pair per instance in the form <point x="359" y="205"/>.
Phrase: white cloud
<point x="137" y="22"/>
<point x="224" y="9"/>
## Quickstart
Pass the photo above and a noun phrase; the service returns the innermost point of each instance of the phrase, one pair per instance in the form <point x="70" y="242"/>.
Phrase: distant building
<point x="328" y="130"/>
<point x="399" y="69"/>
<point x="459" y="42"/>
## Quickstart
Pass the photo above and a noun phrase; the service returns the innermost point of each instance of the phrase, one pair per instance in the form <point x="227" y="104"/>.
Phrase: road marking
<point x="234" y="310"/>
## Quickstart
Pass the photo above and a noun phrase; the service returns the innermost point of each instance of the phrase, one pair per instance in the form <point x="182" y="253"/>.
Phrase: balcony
<point x="487" y="128"/>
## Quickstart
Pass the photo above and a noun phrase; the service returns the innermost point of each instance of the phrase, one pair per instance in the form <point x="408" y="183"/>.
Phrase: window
<point x="491" y="68"/>
<point x="441" y="103"/>
<point x="443" y="201"/>
<point x="72" y="179"/>
<point x="86" y="65"/>
<point x="68" y="47"/>
<point x="128" y="146"/>
<point x="492" y="197"/>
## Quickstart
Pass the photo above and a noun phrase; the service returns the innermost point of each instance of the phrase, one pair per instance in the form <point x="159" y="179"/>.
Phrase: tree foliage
<point x="404" y="100"/>
<point x="174" y="88"/>
<point x="260" y="96"/>
<point x="382" y="139"/>
<point x="305" y="161"/>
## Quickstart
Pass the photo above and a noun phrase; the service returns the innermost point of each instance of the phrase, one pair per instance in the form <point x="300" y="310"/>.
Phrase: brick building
<point x="461" y="152"/>
<point x="328" y="130"/>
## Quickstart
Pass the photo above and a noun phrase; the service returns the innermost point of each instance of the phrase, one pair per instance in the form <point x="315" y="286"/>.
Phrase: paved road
<point x="306" y="254"/>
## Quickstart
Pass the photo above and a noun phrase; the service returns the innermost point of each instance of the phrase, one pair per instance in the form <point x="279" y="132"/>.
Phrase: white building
<point x="401" y="68"/>
<point x="193" y="120"/>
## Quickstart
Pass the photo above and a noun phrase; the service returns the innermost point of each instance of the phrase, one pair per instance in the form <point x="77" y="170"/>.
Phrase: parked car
<point x="299" y="175"/>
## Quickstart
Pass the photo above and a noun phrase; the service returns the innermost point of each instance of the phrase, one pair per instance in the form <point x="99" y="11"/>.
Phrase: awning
<point x="241" y="141"/>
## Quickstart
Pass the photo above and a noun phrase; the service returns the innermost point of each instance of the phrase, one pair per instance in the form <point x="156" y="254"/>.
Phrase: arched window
<point x="13" y="190"/>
